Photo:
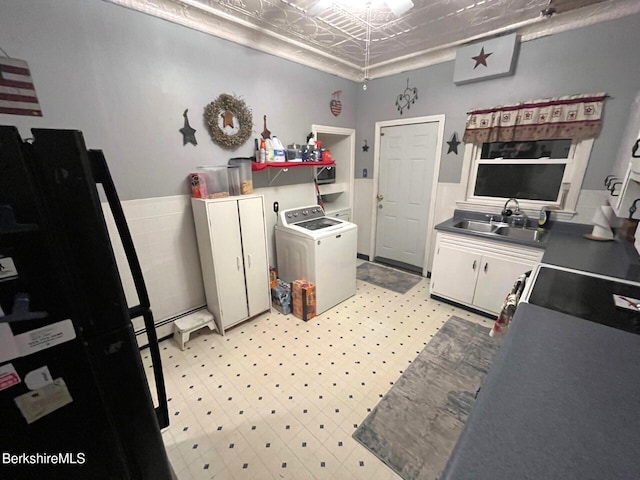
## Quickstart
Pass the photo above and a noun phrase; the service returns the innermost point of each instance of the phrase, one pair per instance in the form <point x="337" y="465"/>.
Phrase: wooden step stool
<point x="185" y="326"/>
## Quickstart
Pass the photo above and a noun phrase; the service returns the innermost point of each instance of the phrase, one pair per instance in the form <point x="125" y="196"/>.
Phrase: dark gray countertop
<point x="566" y="246"/>
<point x="561" y="401"/>
<point x="617" y="258"/>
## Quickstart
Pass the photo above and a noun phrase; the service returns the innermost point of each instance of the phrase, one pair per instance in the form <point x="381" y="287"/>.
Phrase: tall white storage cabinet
<point x="232" y="241"/>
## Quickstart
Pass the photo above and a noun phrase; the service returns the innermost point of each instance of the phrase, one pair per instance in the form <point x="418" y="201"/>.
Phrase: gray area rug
<point x="387" y="277"/>
<point x="417" y="423"/>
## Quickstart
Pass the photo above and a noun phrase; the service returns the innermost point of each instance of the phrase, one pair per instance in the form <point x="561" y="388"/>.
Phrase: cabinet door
<point x="228" y="261"/>
<point x="454" y="273"/>
<point x="495" y="279"/>
<point x="255" y="254"/>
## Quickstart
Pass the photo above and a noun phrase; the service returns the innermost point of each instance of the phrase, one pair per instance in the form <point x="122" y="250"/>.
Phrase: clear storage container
<point x="246" y="176"/>
<point x="233" y="172"/>
<point x="217" y="179"/>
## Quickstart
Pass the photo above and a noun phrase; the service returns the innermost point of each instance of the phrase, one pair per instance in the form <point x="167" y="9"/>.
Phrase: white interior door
<point x="407" y="163"/>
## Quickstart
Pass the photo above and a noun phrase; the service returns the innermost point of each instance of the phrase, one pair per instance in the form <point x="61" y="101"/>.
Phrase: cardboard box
<point x="303" y="299"/>
<point x="273" y="277"/>
<point x="281" y="297"/>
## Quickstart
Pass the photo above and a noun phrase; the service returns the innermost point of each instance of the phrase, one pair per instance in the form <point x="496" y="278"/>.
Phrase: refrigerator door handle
<point x="101" y="175"/>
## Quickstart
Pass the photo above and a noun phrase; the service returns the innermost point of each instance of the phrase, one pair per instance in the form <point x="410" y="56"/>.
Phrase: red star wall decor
<point x="481" y="59"/>
<point x="496" y="55"/>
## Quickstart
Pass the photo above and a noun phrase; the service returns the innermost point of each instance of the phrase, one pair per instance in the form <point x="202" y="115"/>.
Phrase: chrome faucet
<point x="506" y="212"/>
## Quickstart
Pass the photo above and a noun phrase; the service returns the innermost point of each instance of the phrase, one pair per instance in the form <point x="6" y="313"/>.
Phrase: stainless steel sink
<point x="476" y="226"/>
<point x="530" y="234"/>
<point x="503" y="230"/>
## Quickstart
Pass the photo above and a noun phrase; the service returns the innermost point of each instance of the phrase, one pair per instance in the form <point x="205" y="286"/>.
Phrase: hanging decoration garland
<point x="234" y="114"/>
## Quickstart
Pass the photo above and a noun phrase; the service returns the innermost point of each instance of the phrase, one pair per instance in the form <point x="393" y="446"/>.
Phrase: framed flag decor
<point x="484" y="60"/>
<point x="17" y="93"/>
<point x="335" y="105"/>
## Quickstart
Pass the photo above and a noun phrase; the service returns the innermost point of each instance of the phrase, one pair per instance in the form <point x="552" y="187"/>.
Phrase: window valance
<point x="574" y="116"/>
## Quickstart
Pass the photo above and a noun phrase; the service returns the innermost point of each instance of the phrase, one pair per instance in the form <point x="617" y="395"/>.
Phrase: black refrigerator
<point x="74" y="398"/>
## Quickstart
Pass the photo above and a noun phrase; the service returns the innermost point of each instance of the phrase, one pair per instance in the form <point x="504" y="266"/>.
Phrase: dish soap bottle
<point x="543" y="219"/>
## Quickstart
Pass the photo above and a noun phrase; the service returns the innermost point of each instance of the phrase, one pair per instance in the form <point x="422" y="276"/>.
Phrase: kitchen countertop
<point x="561" y="401"/>
<point x="566" y="246"/>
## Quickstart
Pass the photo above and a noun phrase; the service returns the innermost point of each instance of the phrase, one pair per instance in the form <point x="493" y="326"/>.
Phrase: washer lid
<point x="318" y="223"/>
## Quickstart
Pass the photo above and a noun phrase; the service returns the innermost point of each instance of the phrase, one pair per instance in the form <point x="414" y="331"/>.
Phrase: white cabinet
<point x="342" y="215"/>
<point x="232" y="242"/>
<point x="478" y="273"/>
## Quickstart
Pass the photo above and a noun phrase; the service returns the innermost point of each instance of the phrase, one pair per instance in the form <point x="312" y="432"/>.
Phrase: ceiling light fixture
<point x="397" y="7"/>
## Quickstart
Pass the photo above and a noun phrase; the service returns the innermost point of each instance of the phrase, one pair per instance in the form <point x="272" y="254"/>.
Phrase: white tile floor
<point x="278" y="398"/>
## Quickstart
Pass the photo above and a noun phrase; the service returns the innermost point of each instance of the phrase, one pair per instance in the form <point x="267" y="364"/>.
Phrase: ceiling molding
<point x="536" y="28"/>
<point x="216" y="22"/>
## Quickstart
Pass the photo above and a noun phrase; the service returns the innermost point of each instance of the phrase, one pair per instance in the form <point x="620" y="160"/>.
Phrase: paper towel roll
<point x="602" y="232"/>
<point x="603" y="217"/>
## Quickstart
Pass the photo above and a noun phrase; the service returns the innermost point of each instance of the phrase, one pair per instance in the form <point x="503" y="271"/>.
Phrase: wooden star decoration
<point x="188" y="133"/>
<point x="481" y="59"/>
<point x="453" y="144"/>
<point x="365" y="147"/>
<point x="227" y="119"/>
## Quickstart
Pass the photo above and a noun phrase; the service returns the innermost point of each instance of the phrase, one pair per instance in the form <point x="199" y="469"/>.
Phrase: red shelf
<point x="255" y="166"/>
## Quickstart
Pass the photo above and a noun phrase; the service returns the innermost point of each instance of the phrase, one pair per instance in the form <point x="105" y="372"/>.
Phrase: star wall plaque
<point x="365" y="147"/>
<point x="188" y="133"/>
<point x="481" y="58"/>
<point x="486" y="59"/>
<point x="227" y="119"/>
<point x="453" y="144"/>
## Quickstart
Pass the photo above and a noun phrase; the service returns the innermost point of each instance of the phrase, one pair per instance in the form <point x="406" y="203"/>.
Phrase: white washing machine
<point x="311" y="246"/>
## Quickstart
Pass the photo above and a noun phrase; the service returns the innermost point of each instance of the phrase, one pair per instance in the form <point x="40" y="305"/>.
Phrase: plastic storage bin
<point x="246" y="177"/>
<point x="233" y="172"/>
<point x="217" y="179"/>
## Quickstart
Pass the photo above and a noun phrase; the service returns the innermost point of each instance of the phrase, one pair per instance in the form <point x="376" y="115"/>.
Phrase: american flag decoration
<point x="336" y="105"/>
<point x="17" y="93"/>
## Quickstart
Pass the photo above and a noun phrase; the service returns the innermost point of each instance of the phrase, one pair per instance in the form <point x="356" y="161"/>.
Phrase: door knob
<point x="380" y="197"/>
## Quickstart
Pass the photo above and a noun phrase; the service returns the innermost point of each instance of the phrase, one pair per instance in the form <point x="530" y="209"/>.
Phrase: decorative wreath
<point x="228" y="107"/>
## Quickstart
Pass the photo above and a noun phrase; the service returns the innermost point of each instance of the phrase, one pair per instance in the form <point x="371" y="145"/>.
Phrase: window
<point x="536" y="151"/>
<point x="536" y="172"/>
<point x="531" y="170"/>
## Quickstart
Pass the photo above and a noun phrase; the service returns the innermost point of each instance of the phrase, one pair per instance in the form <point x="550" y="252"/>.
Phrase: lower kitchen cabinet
<point x="478" y="273"/>
<point x="232" y="243"/>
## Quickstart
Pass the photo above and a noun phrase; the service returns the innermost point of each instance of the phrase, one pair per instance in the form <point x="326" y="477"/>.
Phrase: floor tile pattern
<point x="279" y="398"/>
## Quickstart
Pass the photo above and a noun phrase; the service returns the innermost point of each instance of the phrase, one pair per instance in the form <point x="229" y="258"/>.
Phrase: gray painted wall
<point x="124" y="79"/>
<point x="602" y="57"/>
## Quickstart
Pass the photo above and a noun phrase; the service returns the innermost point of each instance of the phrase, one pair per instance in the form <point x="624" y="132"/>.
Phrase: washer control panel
<point x="301" y="214"/>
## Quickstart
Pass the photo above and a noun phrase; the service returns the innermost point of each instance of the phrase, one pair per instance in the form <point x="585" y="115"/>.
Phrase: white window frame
<point x="576" y="166"/>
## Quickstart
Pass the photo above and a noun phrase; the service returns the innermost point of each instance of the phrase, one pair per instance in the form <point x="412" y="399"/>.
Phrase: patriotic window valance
<point x="576" y="116"/>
